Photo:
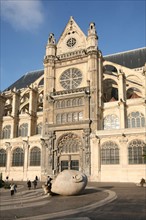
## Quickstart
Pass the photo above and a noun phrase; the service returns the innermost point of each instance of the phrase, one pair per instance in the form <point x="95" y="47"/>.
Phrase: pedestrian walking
<point x="35" y="184"/>
<point x="12" y="188"/>
<point x="29" y="184"/>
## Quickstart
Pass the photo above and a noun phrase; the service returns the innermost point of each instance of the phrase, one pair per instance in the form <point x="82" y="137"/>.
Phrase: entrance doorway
<point x="69" y="165"/>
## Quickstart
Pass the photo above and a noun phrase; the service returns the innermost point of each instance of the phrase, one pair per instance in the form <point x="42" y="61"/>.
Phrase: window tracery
<point x="69" y="143"/>
<point x="136" y="120"/>
<point x="111" y="122"/>
<point x="110" y="153"/>
<point x="3" y="158"/>
<point x="23" y="130"/>
<point x="39" y="128"/>
<point x="35" y="156"/>
<point x="136" y="150"/>
<point x="7" y="132"/>
<point x="71" y="78"/>
<point x="18" y="157"/>
<point x="69" y="103"/>
<point x="62" y="118"/>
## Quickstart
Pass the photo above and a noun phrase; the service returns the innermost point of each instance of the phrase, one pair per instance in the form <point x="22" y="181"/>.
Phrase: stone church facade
<point x="83" y="111"/>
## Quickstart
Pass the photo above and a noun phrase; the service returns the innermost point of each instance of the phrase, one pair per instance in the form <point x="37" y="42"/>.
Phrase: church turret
<point x="92" y="37"/>
<point x="51" y="46"/>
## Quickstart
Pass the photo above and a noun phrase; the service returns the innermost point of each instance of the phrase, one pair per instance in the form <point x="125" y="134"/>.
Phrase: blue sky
<point x="25" y="26"/>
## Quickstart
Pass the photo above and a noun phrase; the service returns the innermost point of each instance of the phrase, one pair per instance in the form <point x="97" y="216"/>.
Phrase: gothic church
<point x="84" y="111"/>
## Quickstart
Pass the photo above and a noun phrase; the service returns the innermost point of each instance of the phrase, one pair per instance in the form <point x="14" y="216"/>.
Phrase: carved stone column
<point x="26" y="154"/>
<point x="51" y="150"/>
<point x="95" y="158"/>
<point x="47" y="165"/>
<point x="8" y="165"/>
<point x="86" y="152"/>
<point x="43" y="156"/>
<point x="122" y="95"/>
<point x="123" y="157"/>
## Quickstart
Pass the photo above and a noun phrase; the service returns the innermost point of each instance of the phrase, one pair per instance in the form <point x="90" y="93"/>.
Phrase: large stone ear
<point x="77" y="178"/>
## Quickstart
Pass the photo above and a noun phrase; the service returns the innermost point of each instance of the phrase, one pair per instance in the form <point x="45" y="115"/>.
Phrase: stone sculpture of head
<point x="69" y="182"/>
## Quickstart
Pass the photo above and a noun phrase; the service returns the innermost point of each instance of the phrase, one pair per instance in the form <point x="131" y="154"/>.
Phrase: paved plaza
<point x="112" y="201"/>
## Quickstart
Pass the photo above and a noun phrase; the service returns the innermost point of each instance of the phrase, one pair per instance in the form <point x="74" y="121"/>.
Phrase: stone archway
<point x="69" y="148"/>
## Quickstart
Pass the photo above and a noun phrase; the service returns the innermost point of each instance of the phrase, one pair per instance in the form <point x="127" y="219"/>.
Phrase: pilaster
<point x="8" y="150"/>
<point x="122" y="106"/>
<point x="95" y="158"/>
<point x="26" y="158"/>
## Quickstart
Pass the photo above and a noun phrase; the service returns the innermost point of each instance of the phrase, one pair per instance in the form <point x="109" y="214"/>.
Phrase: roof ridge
<point x="29" y="72"/>
<point x="127" y="51"/>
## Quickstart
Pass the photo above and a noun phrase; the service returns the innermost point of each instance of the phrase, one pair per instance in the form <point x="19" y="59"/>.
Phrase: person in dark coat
<point x="49" y="183"/>
<point x="35" y="184"/>
<point x="29" y="184"/>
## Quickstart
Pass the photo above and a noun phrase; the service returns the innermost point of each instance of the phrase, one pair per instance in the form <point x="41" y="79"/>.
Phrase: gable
<point x="72" y="38"/>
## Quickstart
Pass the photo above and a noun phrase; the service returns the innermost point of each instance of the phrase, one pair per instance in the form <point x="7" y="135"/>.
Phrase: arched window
<point x="136" y="120"/>
<point x="75" y="116"/>
<point x="39" y="128"/>
<point x="58" y="118"/>
<point x="74" y="102"/>
<point x="3" y="158"/>
<point x="18" y="157"/>
<point x="68" y="103"/>
<point x="63" y="118"/>
<point x="7" y="131"/>
<point x="80" y="116"/>
<point x="69" y="143"/>
<point x="35" y="156"/>
<point x="136" y="150"/>
<point x="80" y="101"/>
<point x="23" y="130"/>
<point x="111" y="122"/>
<point x="62" y="104"/>
<point x="109" y="153"/>
<point x="69" y="117"/>
<point x="58" y="104"/>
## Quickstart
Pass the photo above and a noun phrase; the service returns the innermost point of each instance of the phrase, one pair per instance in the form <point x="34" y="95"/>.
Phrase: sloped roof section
<point x="26" y="79"/>
<point x="131" y="59"/>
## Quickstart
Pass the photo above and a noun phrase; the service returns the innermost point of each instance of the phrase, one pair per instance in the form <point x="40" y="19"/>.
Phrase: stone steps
<point x="23" y="199"/>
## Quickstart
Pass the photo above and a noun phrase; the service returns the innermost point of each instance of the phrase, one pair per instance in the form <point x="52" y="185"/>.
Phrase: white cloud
<point x="23" y="14"/>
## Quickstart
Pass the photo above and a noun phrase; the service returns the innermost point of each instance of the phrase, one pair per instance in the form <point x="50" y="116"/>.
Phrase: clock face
<point x="71" y="78"/>
<point x="71" y="42"/>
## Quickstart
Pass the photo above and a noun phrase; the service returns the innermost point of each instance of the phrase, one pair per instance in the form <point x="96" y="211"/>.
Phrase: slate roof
<point x="26" y="79"/>
<point x="131" y="59"/>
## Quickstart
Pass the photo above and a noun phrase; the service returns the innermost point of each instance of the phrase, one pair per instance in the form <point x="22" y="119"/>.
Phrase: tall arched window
<point x="110" y="153"/>
<point x="69" y="117"/>
<point x="58" y="118"/>
<point x="3" y="158"/>
<point x="7" y="131"/>
<point x="23" y="130"/>
<point x="35" y="156"/>
<point x="80" y="116"/>
<point x="136" y="120"/>
<point x="136" y="150"/>
<point x="18" y="157"/>
<point x="111" y="122"/>
<point x="63" y="118"/>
